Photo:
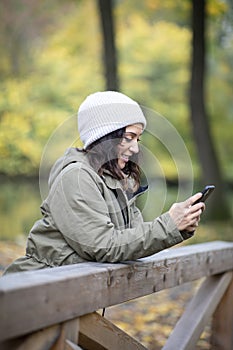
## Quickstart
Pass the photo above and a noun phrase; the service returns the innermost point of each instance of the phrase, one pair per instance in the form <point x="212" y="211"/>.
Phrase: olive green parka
<point x="87" y="217"/>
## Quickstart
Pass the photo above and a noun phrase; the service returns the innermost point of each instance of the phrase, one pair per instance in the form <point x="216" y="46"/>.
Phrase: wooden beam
<point x="222" y="323"/>
<point x="190" y="326"/>
<point x="51" y="338"/>
<point x="40" y="340"/>
<point x="96" y="332"/>
<point x="69" y="331"/>
<point x="71" y="346"/>
<point x="63" y="293"/>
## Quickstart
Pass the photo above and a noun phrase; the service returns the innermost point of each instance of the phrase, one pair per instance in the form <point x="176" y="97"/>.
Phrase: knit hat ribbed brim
<point x="104" y="112"/>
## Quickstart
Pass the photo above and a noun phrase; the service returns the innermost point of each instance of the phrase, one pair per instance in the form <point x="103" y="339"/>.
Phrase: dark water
<point x="20" y="202"/>
<point x="19" y="207"/>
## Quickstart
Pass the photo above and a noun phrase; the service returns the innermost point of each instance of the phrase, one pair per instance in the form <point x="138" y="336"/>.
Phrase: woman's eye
<point x="128" y="139"/>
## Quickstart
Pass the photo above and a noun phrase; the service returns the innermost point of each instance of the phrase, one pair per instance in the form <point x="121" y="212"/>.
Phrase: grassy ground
<point x="149" y="319"/>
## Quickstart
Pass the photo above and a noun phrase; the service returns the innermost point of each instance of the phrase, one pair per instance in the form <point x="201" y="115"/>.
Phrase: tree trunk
<point x="217" y="207"/>
<point x="109" y="49"/>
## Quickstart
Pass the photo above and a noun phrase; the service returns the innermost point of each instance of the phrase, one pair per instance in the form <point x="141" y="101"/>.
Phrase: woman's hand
<point x="186" y="215"/>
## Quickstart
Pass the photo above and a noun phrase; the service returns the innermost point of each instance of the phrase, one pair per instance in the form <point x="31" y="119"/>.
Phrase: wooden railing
<point x="56" y="308"/>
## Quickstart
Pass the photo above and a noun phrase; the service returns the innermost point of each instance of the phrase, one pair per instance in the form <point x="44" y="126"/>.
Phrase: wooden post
<point x="42" y="309"/>
<point x="222" y="324"/>
<point x="69" y="331"/>
<point x="58" y="337"/>
<point x="98" y="333"/>
<point x="42" y="339"/>
<point x="198" y="312"/>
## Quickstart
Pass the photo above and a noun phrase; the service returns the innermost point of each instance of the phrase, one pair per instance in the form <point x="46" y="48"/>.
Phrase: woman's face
<point x="129" y="144"/>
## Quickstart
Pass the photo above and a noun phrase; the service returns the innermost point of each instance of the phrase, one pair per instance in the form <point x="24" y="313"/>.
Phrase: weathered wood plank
<point x="69" y="331"/>
<point x="198" y="312"/>
<point x="71" y="346"/>
<point x="63" y="293"/>
<point x="97" y="332"/>
<point x="222" y="323"/>
<point x="41" y="340"/>
<point x="51" y="338"/>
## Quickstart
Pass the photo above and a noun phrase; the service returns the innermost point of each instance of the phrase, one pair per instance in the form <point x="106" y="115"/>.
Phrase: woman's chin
<point x="121" y="164"/>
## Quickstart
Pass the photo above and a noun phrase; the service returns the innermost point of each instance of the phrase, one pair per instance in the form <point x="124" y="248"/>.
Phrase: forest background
<point x="52" y="58"/>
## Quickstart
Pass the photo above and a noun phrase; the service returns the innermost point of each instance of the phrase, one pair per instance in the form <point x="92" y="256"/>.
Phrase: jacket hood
<point x="72" y="155"/>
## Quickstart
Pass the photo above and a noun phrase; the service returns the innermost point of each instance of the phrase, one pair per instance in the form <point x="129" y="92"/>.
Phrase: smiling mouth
<point x="125" y="158"/>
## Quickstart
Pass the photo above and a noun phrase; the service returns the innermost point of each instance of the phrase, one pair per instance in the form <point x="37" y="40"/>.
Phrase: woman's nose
<point x="134" y="147"/>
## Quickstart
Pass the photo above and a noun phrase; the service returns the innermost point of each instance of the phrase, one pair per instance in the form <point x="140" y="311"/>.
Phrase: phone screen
<point x="205" y="193"/>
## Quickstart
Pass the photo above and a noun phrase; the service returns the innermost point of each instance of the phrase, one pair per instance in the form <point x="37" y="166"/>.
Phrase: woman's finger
<point x="191" y="200"/>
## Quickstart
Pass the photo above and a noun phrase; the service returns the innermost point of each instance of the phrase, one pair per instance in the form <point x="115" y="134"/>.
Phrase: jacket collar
<point x="114" y="184"/>
<point x="111" y="182"/>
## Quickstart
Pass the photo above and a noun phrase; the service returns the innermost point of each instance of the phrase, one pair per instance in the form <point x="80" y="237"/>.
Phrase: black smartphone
<point x="205" y="193"/>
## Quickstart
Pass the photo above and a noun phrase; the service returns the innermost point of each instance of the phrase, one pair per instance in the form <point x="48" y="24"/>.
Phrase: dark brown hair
<point x="102" y="155"/>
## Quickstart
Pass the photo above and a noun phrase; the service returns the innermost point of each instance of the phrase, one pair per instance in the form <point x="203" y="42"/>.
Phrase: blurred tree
<point x="109" y="47"/>
<point x="23" y="25"/>
<point x="56" y="72"/>
<point x="60" y="63"/>
<point x="211" y="172"/>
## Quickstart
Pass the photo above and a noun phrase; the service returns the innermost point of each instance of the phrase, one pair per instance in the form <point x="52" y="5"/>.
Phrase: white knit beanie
<point x="104" y="112"/>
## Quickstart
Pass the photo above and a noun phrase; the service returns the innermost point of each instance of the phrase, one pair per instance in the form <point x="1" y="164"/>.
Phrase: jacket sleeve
<point x="81" y="214"/>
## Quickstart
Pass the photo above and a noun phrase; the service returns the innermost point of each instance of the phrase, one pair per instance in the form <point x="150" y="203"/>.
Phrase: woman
<point x="90" y="212"/>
